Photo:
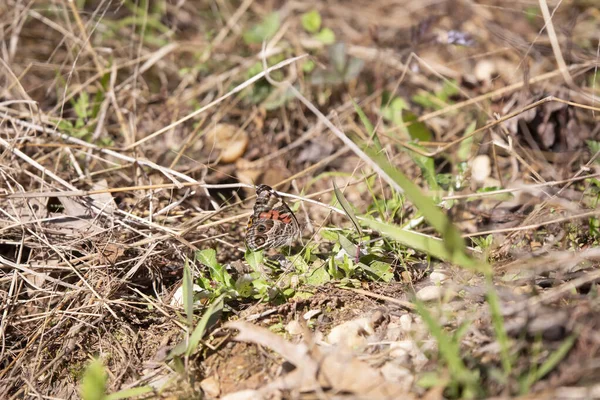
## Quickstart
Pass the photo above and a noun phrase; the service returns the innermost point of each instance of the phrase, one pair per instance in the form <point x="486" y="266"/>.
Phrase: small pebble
<point x="351" y="334"/>
<point x="294" y="328"/>
<point x="406" y="323"/>
<point x="311" y="313"/>
<point x="438" y="277"/>
<point x="211" y="387"/>
<point x="431" y="293"/>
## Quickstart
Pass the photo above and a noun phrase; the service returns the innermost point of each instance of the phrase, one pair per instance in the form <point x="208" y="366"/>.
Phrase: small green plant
<point x="397" y="112"/>
<point x="146" y="17"/>
<point x="211" y="315"/>
<point x="342" y="69"/>
<point x="535" y="372"/>
<point x="311" y="22"/>
<point x="439" y="99"/>
<point x="463" y="382"/>
<point x="93" y="385"/>
<point x="594" y="148"/>
<point x="263" y="30"/>
<point x="218" y="281"/>
<point x="86" y="111"/>
<point x="484" y="244"/>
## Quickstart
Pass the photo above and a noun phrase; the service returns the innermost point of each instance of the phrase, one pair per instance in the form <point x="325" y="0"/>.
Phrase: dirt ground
<point x="440" y="160"/>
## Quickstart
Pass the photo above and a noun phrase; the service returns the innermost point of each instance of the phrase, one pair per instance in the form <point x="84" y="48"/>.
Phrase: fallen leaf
<point x="229" y="140"/>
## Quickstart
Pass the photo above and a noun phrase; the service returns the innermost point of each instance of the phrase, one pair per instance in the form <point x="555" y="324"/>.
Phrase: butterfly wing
<point x="272" y="224"/>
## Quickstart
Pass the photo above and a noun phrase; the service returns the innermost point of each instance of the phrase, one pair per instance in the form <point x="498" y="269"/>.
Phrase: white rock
<point x="244" y="395"/>
<point x="396" y="373"/>
<point x="351" y="333"/>
<point x="394" y="330"/>
<point x="294" y="328"/>
<point x="481" y="168"/>
<point x="438" y="277"/>
<point x="311" y="313"/>
<point x="407" y="352"/>
<point x="211" y="386"/>
<point x="484" y="70"/>
<point x="177" y="299"/>
<point x="406" y="323"/>
<point x="401" y="351"/>
<point x="430" y="293"/>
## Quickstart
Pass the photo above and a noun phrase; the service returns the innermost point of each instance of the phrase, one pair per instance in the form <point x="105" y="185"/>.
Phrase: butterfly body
<point x="272" y="223"/>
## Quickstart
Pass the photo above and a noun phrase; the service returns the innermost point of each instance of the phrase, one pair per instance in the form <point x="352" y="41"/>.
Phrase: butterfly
<point x="272" y="223"/>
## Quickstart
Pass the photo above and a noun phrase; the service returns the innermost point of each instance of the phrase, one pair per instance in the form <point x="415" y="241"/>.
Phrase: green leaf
<point x="363" y="118"/>
<point x="209" y="318"/>
<point x="308" y="66"/>
<point x="429" y="380"/>
<point x="449" y="89"/>
<point x="347" y="208"/>
<point x="244" y="285"/>
<point x="327" y="234"/>
<point x="311" y="21"/>
<point x="417" y="130"/>
<point x="326" y="36"/>
<point x="498" y="324"/>
<point x="264" y="30"/>
<point x="450" y="352"/>
<point x="436" y="218"/>
<point x="535" y="374"/>
<point x="93" y="385"/>
<point x="382" y="270"/>
<point x="130" y="393"/>
<point x="207" y="257"/>
<point x="368" y="125"/>
<point x="65" y="125"/>
<point x="426" y="244"/>
<point x="464" y="150"/>
<point x="188" y="294"/>
<point x="82" y="104"/>
<point x="350" y="248"/>
<point x="594" y="148"/>
<point x="552" y="361"/>
<point x="427" y="166"/>
<point x="254" y="258"/>
<point x="218" y="273"/>
<point x="318" y="276"/>
<point x="393" y="111"/>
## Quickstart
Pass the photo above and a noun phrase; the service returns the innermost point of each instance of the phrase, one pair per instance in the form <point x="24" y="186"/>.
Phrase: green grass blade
<point x="498" y="324"/>
<point x="363" y="118"/>
<point x="548" y="365"/>
<point x="450" y="352"/>
<point x="426" y="244"/>
<point x="368" y="125"/>
<point x="209" y="318"/>
<point x="347" y="208"/>
<point x="436" y="218"/>
<point x="556" y="357"/>
<point x="93" y="384"/>
<point x="130" y="393"/>
<point x="188" y="294"/>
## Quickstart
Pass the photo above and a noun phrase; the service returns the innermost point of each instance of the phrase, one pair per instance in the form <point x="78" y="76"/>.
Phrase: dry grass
<point x="132" y="133"/>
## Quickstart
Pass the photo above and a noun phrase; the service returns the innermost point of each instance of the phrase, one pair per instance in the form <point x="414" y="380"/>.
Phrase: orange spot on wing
<point x="266" y="215"/>
<point x="275" y="215"/>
